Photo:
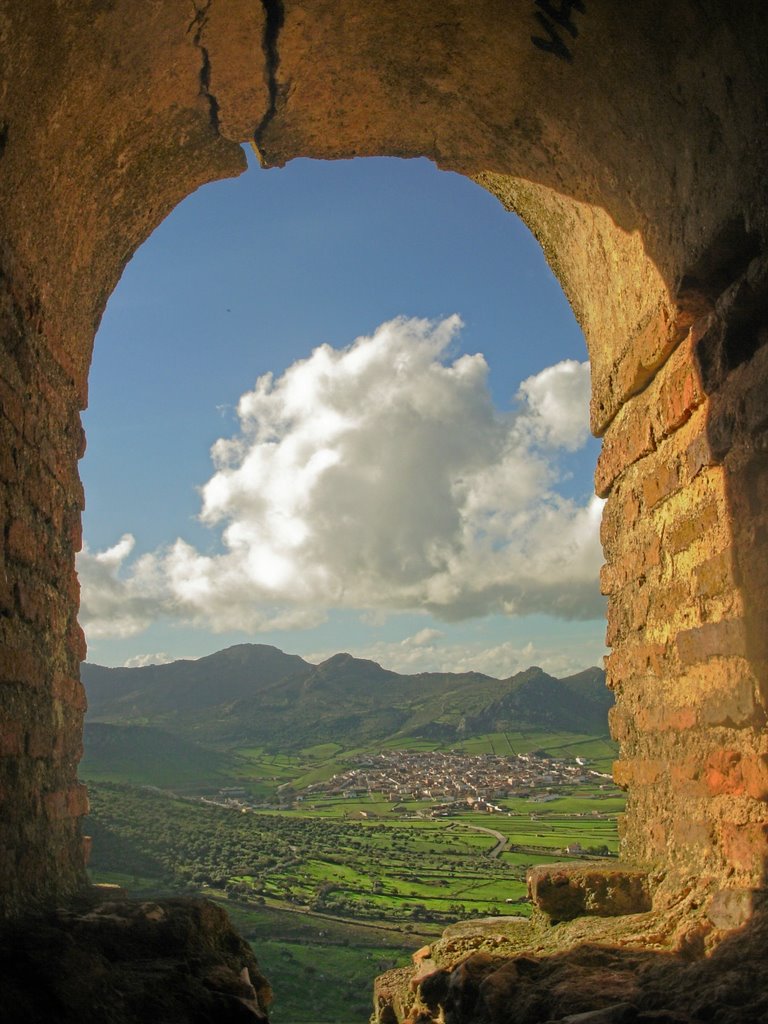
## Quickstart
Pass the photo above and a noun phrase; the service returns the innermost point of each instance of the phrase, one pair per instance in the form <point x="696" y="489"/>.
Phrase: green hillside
<point x="253" y="694"/>
<point x="149" y="756"/>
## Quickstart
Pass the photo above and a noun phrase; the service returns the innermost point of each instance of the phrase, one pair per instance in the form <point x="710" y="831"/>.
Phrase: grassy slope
<point x="148" y="756"/>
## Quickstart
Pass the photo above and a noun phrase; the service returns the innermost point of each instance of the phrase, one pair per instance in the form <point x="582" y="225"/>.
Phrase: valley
<point x="340" y="857"/>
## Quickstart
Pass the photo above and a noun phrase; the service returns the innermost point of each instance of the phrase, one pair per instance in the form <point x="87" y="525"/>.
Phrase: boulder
<point x="567" y="890"/>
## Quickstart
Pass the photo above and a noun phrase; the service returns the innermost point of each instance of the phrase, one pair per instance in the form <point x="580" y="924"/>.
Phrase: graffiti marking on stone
<point x="552" y="16"/>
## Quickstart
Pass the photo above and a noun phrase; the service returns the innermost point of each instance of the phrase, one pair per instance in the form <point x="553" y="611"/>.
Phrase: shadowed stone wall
<point x="630" y="137"/>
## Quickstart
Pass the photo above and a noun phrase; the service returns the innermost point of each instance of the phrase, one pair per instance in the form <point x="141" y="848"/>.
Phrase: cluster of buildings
<point x="478" y="779"/>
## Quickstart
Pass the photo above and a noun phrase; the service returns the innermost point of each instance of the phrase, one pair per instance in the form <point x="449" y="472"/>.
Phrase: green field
<point x="321" y="969"/>
<point x="328" y="859"/>
<point x="361" y="857"/>
<point x="334" y="889"/>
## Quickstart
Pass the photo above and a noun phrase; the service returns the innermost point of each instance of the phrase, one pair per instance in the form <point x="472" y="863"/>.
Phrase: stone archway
<point x="629" y="137"/>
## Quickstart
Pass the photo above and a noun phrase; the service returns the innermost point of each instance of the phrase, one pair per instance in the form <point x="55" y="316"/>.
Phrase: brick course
<point x="685" y="574"/>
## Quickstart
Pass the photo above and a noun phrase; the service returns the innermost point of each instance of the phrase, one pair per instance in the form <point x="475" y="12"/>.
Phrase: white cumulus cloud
<point x="143" y="660"/>
<point x="424" y="638"/>
<point x="377" y="476"/>
<point x="498" y="660"/>
<point x="111" y="604"/>
<point x="558" y="404"/>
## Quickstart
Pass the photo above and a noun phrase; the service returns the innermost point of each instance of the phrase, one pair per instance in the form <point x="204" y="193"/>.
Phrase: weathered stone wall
<point x="41" y="644"/>
<point x="683" y="467"/>
<point x="631" y="138"/>
<point x="101" y="134"/>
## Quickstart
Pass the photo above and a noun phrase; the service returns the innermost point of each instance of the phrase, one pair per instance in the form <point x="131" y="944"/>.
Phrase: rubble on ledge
<point x="640" y="969"/>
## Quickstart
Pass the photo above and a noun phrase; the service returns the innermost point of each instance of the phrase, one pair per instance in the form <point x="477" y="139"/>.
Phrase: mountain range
<point x="257" y="694"/>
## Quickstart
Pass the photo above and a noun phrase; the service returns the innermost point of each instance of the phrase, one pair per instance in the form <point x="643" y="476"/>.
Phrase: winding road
<point x="501" y="840"/>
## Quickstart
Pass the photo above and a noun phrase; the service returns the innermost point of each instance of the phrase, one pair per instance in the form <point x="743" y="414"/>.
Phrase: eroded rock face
<point x="628" y="136"/>
<point x="570" y="889"/>
<point x="122" y="961"/>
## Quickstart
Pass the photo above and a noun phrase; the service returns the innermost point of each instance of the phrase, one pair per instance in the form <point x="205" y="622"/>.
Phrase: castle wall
<point x="629" y="138"/>
<point x="684" y="470"/>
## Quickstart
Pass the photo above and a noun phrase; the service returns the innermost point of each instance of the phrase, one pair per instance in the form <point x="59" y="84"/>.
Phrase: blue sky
<point x="396" y="494"/>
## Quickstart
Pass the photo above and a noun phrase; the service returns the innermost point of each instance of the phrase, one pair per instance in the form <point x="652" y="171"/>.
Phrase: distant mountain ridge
<point x="231" y="674"/>
<point x="255" y="693"/>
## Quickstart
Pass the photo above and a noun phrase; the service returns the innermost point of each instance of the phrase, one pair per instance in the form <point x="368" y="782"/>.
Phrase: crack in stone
<point x="274" y="12"/>
<point x="198" y="23"/>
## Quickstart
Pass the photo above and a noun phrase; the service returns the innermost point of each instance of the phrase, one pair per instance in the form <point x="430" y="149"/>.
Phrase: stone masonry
<point x="41" y="643"/>
<point x="684" y="468"/>
<point x="632" y="140"/>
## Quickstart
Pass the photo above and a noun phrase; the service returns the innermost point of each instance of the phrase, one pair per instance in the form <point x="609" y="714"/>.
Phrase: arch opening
<point x="414" y="249"/>
<point x="633" y="182"/>
<point x="474" y="246"/>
